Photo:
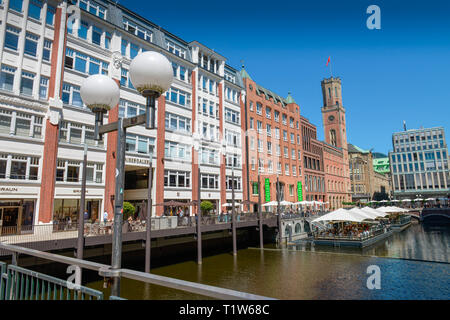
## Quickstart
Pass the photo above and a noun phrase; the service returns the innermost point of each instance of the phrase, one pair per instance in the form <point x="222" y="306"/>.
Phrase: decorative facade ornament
<point x="53" y="117"/>
<point x="16" y="101"/>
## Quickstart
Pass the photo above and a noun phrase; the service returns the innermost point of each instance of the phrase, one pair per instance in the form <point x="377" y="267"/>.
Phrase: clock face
<point x="331" y="118"/>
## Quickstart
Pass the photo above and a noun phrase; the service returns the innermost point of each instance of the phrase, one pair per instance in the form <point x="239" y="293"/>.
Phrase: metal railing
<point x="62" y="230"/>
<point x="359" y="237"/>
<point x="107" y="272"/>
<point x="3" y="280"/>
<point x="24" y="284"/>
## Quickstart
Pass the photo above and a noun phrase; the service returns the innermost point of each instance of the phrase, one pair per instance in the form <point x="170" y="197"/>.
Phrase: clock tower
<point x="333" y="113"/>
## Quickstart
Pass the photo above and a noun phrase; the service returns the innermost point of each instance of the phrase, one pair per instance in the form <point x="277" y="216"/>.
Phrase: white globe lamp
<point x="100" y="94"/>
<point x="151" y="74"/>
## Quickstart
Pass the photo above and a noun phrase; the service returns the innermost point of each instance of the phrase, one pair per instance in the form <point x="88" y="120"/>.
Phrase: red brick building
<point x="312" y="163"/>
<point x="272" y="144"/>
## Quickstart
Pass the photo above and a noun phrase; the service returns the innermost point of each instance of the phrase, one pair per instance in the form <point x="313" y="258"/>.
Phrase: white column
<point x="12" y="129"/>
<point x="4" y="18"/>
<point x="40" y="46"/>
<point x="21" y="48"/>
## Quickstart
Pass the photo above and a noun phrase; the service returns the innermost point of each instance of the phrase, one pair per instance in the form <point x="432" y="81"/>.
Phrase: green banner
<point x="267" y="189"/>
<point x="299" y="191"/>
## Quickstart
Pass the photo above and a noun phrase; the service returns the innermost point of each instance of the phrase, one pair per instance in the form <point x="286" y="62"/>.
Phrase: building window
<point x="175" y="49"/>
<point x="209" y="181"/>
<point x="333" y="137"/>
<point x="50" y="18"/>
<point x="255" y="188"/>
<point x="31" y="42"/>
<point x="125" y="80"/>
<point x="260" y="165"/>
<point x="69" y="171"/>
<point x="96" y="35"/>
<point x="179" y="97"/>
<point x="108" y="40"/>
<point x="83" y="31"/>
<point x="233" y="160"/>
<point x="258" y="108"/>
<point x="268" y="112"/>
<point x="232" y="116"/>
<point x="209" y="156"/>
<point x="232" y="138"/>
<point x="34" y="9"/>
<point x="139" y="144"/>
<point x="71" y="95"/>
<point x="177" y="179"/>
<point x="177" y="123"/>
<point x="175" y="150"/>
<point x="259" y="126"/>
<point x="43" y="88"/>
<point x="137" y="30"/>
<point x="16" y="5"/>
<point x="85" y="64"/>
<point x="26" y="83"/>
<point x="229" y="183"/>
<point x="270" y="166"/>
<point x="7" y="78"/>
<point x="47" y="51"/>
<point x="11" y="37"/>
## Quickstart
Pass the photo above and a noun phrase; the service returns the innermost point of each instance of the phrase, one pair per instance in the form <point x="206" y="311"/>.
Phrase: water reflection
<point x="418" y="242"/>
<point x="307" y="272"/>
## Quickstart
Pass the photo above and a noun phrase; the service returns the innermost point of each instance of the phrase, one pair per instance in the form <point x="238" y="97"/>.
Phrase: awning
<point x="374" y="212"/>
<point x="341" y="215"/>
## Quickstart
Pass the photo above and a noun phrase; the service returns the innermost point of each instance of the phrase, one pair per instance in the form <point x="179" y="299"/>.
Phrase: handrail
<point x="107" y="271"/>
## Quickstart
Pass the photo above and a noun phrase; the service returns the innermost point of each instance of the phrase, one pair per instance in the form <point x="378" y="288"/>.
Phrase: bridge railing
<point x="62" y="230"/>
<point x="24" y="284"/>
<point x="107" y="271"/>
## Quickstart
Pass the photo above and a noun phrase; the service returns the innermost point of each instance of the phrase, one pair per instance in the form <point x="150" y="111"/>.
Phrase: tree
<point x="128" y="210"/>
<point x="378" y="196"/>
<point x="206" y="206"/>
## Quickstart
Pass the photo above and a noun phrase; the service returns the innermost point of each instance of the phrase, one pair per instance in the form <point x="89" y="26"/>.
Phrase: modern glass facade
<point x="419" y="163"/>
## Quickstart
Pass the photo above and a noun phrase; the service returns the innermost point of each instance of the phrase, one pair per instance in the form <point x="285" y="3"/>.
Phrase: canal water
<point x="414" y="264"/>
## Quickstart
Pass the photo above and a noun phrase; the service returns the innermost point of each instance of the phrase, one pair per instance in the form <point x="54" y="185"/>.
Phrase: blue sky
<point x="401" y="72"/>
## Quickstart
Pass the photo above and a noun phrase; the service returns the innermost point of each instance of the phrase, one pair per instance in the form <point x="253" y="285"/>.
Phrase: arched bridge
<point x="436" y="215"/>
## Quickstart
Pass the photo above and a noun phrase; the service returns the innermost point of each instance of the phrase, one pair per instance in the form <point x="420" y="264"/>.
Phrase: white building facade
<point x="45" y="55"/>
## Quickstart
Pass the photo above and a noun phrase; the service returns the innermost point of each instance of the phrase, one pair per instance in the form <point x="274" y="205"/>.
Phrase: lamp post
<point x="80" y="242"/>
<point x="151" y="74"/>
<point x="278" y="211"/>
<point x="261" y="239"/>
<point x="148" y="224"/>
<point x="233" y="213"/>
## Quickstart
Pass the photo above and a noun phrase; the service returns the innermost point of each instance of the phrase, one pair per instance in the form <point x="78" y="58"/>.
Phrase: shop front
<point x="16" y="216"/>
<point x="66" y="207"/>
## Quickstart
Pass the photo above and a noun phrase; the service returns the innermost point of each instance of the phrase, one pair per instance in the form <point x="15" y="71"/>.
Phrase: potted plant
<point x="206" y="207"/>
<point x="128" y="211"/>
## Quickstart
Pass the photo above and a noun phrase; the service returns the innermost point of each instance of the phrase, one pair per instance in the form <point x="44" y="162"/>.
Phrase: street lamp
<point x="100" y="94"/>
<point x="151" y="74"/>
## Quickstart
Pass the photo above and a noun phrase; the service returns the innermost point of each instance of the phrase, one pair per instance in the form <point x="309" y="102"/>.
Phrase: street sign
<point x="267" y="189"/>
<point x="299" y="191"/>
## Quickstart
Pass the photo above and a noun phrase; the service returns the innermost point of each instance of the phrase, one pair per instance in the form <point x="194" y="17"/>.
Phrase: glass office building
<point x="419" y="164"/>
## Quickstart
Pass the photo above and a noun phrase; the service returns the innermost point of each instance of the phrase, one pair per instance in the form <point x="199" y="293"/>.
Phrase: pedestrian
<point x="105" y="217"/>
